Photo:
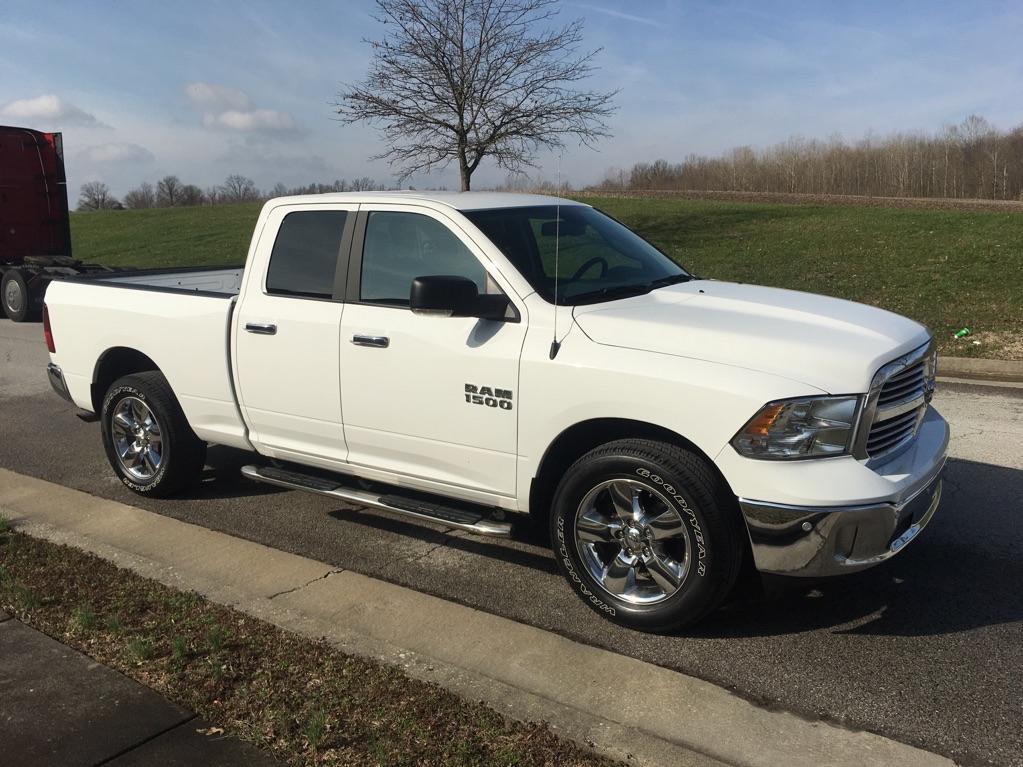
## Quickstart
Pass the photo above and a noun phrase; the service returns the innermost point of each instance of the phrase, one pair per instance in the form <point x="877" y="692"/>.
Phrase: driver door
<point x="426" y="396"/>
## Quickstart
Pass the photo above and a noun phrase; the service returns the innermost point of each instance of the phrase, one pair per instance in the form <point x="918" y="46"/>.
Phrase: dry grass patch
<point x="304" y="701"/>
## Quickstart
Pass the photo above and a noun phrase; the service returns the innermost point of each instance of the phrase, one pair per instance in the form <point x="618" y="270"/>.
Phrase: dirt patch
<point x="992" y="344"/>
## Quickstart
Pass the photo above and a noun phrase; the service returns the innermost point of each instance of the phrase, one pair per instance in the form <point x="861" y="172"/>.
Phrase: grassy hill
<point x="946" y="268"/>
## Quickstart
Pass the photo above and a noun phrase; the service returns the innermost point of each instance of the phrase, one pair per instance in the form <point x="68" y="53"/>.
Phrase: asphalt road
<point x="927" y="648"/>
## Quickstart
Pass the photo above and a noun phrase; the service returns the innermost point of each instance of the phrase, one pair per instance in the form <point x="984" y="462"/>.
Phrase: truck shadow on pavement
<point x="964" y="572"/>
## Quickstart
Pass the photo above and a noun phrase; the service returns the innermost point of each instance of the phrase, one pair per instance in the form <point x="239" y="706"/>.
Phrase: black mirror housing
<point x="450" y="296"/>
<point x="444" y="296"/>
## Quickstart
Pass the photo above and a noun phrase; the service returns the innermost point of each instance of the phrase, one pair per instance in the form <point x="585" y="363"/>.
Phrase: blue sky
<point x="202" y="90"/>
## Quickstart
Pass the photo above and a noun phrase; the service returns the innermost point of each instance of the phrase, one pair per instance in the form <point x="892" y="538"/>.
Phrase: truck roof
<point x="456" y="200"/>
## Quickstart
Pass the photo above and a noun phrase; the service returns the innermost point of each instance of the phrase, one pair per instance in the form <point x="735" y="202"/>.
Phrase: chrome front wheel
<point x="632" y="541"/>
<point x="138" y="439"/>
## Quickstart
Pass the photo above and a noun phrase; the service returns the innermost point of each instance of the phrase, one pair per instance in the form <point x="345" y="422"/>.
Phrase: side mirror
<point x="443" y="296"/>
<point x="450" y="296"/>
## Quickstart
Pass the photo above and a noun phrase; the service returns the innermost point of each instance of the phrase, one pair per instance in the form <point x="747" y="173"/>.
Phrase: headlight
<point x="800" y="428"/>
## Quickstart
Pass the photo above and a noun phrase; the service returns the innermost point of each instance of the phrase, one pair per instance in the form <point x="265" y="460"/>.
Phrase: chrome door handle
<point x="263" y="328"/>
<point x="379" y="342"/>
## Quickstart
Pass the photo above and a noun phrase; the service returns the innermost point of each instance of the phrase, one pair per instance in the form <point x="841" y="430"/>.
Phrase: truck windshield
<point x="598" y="259"/>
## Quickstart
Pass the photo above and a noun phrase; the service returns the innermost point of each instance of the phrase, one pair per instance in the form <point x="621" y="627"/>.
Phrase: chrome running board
<point x="463" y="516"/>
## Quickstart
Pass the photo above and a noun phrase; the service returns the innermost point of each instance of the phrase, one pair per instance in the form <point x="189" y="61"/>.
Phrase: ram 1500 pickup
<point x="465" y="358"/>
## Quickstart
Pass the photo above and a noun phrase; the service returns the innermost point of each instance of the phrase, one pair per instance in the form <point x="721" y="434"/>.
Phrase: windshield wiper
<point x="625" y="291"/>
<point x="673" y="279"/>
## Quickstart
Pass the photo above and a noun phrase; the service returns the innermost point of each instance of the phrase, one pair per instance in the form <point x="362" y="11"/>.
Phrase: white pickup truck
<point x="465" y="358"/>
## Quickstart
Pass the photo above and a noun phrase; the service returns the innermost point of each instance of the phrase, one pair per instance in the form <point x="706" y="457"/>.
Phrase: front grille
<point x="896" y="403"/>
<point x="908" y="384"/>
<point x="885" y="435"/>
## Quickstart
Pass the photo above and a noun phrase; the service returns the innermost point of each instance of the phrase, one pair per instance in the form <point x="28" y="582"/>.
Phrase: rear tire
<point x="647" y="534"/>
<point x="147" y="439"/>
<point x="15" y="296"/>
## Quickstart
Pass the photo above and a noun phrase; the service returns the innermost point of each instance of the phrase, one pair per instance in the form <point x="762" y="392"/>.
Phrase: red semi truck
<point x="35" y="233"/>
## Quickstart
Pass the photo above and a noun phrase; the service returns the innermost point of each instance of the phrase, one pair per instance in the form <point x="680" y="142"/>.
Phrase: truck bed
<point x="211" y="280"/>
<point x="178" y="318"/>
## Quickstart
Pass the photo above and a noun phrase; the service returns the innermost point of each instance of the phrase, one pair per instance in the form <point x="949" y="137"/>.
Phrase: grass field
<point x="946" y="268"/>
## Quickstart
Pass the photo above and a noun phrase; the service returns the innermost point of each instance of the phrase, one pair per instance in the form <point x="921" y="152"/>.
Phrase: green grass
<point x="164" y="236"/>
<point x="945" y="268"/>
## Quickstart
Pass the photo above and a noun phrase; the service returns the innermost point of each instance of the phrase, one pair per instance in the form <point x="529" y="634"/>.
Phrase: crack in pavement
<point x="309" y="583"/>
<point x="429" y="551"/>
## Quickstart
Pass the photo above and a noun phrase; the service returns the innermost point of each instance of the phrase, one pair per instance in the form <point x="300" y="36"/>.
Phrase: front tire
<point x="147" y="439"/>
<point x="646" y="534"/>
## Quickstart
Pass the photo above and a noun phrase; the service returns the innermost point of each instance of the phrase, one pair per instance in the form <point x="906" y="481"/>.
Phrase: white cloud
<point x="102" y="154"/>
<point x="49" y="109"/>
<point x="253" y="121"/>
<point x="217" y="97"/>
<point x="230" y="109"/>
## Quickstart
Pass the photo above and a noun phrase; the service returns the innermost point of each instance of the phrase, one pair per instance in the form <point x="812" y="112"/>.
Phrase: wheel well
<point x="579" y="439"/>
<point x="113" y="364"/>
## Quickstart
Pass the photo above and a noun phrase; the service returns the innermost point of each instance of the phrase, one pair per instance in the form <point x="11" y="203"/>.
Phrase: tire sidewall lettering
<point x="112" y="398"/>
<point x="688" y="516"/>
<point x="573" y="575"/>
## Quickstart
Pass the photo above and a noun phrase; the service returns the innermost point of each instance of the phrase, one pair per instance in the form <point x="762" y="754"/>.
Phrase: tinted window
<point x="402" y="246"/>
<point x="590" y="256"/>
<point x="305" y="254"/>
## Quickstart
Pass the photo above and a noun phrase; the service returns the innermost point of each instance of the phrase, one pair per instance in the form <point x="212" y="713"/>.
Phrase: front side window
<point x="305" y="254"/>
<point x="402" y="246"/>
<point x="589" y="256"/>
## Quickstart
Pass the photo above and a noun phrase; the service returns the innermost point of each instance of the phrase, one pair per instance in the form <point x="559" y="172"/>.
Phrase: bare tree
<point x="168" y="191"/>
<point x="95" y="195"/>
<point x="460" y="80"/>
<point x="238" y="188"/>
<point x="190" y="194"/>
<point x="142" y="196"/>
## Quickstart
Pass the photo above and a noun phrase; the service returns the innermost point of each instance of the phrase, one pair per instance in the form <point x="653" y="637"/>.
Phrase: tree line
<point x="970" y="160"/>
<point x="170" y="192"/>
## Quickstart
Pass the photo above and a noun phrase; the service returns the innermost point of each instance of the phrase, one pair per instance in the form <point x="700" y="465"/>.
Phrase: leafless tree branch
<point x="462" y="80"/>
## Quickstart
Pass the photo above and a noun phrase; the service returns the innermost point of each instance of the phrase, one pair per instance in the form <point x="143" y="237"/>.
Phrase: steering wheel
<point x="583" y="269"/>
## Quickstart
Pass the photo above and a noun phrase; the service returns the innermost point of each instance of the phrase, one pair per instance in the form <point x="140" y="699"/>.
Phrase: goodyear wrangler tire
<point x="148" y="441"/>
<point x="646" y="534"/>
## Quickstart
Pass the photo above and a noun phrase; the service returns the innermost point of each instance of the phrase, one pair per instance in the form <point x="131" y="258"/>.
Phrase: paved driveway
<point x="927" y="648"/>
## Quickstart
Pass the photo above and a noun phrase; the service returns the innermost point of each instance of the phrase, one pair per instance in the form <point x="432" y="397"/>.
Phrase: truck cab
<point x="35" y="233"/>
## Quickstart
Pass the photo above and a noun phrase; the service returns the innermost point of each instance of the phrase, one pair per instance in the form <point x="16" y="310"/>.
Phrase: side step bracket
<point x="478" y="520"/>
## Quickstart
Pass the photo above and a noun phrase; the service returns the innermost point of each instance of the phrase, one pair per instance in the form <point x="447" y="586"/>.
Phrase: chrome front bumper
<point x="806" y="541"/>
<point x="56" y="376"/>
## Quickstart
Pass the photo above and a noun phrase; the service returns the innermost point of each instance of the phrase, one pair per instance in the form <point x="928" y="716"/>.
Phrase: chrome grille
<point x="887" y="434"/>
<point x="905" y="385"/>
<point x="896" y="404"/>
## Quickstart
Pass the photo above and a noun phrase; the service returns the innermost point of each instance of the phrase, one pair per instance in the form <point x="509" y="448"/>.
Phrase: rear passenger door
<point x="426" y="396"/>
<point x="287" y="335"/>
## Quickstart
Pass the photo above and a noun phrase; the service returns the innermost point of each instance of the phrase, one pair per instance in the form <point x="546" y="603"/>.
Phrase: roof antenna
<point x="555" y="343"/>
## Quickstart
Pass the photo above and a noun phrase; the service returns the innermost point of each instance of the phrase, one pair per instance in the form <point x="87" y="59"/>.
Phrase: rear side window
<point x="305" y="254"/>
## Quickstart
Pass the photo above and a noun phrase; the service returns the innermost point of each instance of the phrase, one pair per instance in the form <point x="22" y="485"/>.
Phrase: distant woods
<point x="969" y="160"/>
<point x="171" y="192"/>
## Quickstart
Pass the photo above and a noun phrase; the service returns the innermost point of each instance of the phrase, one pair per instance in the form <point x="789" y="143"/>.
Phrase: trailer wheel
<point x="15" y="296"/>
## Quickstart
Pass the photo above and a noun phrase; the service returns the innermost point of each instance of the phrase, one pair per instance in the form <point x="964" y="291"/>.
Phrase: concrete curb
<point x="625" y="708"/>
<point x="988" y="370"/>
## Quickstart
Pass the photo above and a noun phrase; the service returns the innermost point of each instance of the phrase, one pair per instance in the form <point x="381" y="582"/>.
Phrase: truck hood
<point x="827" y="343"/>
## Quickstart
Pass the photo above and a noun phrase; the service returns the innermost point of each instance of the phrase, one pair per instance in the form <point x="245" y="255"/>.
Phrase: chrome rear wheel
<point x="138" y="439"/>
